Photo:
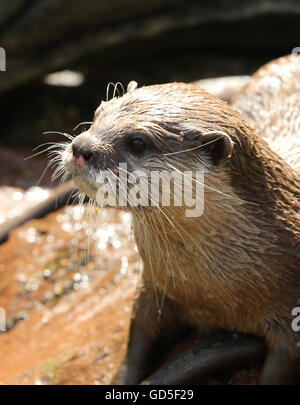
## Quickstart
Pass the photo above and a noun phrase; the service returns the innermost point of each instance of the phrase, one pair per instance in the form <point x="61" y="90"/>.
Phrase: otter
<point x="236" y="266"/>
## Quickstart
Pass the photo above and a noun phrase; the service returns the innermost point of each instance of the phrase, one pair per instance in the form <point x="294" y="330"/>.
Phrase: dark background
<point x="109" y="41"/>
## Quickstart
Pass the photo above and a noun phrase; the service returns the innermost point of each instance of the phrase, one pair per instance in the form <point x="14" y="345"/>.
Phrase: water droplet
<point x="47" y="273"/>
<point x="116" y="244"/>
<point x="22" y="277"/>
<point x="45" y="319"/>
<point x="50" y="238"/>
<point x="17" y="196"/>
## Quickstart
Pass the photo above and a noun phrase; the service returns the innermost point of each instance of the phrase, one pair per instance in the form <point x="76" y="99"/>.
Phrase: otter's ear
<point x="131" y="86"/>
<point x="218" y="145"/>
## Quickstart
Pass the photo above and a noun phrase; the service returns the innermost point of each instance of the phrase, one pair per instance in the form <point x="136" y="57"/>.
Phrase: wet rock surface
<point x="26" y="190"/>
<point x="67" y="305"/>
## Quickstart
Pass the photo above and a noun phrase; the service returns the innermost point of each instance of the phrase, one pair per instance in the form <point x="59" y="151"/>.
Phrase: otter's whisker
<point x="38" y="153"/>
<point x="156" y="232"/>
<point x="117" y="89"/>
<point x="142" y="217"/>
<point x="64" y="178"/>
<point x="82" y="123"/>
<point x="211" y="188"/>
<point x="107" y="89"/>
<point x="74" y="195"/>
<point x="166" y="216"/>
<point x="59" y="133"/>
<point x="196" y="147"/>
<point x="43" y="174"/>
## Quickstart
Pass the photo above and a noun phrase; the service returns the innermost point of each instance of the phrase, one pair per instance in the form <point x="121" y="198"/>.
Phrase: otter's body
<point x="236" y="266"/>
<point x="271" y="104"/>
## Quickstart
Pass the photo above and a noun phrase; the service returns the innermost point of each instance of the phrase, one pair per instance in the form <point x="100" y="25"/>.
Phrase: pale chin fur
<point x="84" y="186"/>
<point x="66" y="161"/>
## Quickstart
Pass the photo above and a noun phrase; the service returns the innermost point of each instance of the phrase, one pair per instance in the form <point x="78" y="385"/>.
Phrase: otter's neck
<point x="248" y="233"/>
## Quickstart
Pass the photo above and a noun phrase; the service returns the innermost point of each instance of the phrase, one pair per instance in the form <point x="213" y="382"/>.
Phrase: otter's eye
<point x="137" y="146"/>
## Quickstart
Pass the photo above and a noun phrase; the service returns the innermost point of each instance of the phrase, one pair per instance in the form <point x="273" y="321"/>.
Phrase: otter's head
<point x="162" y="127"/>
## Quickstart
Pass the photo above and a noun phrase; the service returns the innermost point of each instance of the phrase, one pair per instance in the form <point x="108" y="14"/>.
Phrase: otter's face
<point x="149" y="129"/>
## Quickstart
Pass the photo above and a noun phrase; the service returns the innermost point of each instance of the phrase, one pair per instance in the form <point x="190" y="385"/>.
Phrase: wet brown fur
<point x="236" y="266"/>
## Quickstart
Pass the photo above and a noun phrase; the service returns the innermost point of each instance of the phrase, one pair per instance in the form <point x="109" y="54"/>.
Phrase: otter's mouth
<point x="106" y="187"/>
<point x="80" y="172"/>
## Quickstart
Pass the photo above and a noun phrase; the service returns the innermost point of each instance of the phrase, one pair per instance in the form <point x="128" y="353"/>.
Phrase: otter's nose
<point x="80" y="150"/>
